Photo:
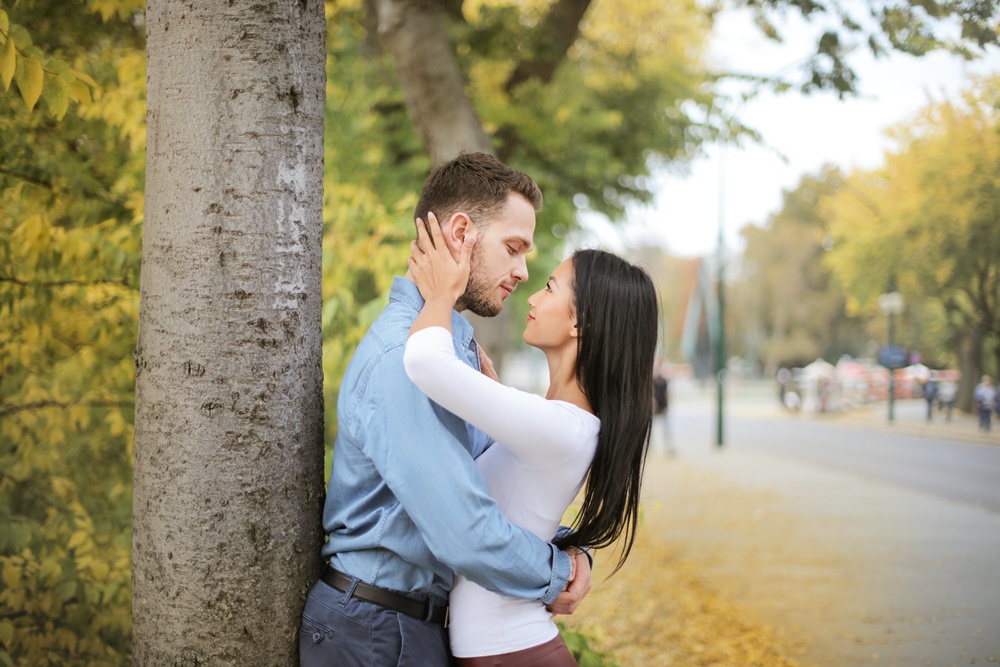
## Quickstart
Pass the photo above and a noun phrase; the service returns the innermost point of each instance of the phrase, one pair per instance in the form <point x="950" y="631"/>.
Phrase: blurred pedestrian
<point x="985" y="396"/>
<point x="784" y="376"/>
<point x="946" y="396"/>
<point x="930" y="393"/>
<point x="661" y="405"/>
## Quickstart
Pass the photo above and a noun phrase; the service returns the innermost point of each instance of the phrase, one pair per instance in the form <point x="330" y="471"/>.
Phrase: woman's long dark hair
<point x="617" y="321"/>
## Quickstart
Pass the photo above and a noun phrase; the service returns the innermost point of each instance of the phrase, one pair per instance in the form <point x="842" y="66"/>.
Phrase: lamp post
<point x="720" y="338"/>
<point x="891" y="304"/>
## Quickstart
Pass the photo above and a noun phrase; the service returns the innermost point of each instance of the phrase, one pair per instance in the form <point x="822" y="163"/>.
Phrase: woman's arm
<point x="537" y="431"/>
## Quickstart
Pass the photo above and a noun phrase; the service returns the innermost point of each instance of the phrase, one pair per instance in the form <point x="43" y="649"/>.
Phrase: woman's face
<point x="552" y="318"/>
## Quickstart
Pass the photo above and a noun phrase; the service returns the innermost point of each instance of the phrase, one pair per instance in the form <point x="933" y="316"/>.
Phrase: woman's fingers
<point x="423" y="236"/>
<point x="437" y="237"/>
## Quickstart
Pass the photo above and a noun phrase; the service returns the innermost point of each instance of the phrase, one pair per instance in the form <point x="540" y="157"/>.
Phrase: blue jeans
<point x="338" y="631"/>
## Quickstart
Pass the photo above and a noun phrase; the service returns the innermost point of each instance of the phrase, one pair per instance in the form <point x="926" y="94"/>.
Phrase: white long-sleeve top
<point x="534" y="470"/>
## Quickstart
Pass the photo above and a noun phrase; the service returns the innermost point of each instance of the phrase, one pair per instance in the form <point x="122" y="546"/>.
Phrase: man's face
<point x="498" y="258"/>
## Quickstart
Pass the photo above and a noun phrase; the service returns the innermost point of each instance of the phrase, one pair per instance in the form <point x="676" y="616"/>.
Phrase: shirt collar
<point x="405" y="292"/>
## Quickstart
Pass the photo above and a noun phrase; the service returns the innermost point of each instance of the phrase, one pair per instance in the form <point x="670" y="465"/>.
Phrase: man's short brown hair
<point x="476" y="184"/>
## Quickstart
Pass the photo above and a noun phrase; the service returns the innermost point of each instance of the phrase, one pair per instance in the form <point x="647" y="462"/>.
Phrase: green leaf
<point x="66" y="590"/>
<point x="29" y="80"/>
<point x="8" y="63"/>
<point x="56" y="95"/>
<point x="57" y="66"/>
<point x="20" y="36"/>
<point x="35" y="53"/>
<point x="6" y="632"/>
<point x="6" y="659"/>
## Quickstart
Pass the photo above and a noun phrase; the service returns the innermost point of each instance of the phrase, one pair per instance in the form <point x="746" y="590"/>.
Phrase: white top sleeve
<point x="537" y="431"/>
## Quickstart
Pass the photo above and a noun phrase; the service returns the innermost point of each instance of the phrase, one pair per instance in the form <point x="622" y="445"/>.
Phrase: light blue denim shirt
<point x="406" y="507"/>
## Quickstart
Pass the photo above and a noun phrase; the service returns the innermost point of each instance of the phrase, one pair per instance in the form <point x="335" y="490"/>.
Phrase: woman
<point x="596" y="322"/>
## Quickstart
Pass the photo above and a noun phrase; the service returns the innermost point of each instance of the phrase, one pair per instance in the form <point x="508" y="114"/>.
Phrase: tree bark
<point x="416" y="34"/>
<point x="970" y="365"/>
<point x="229" y="404"/>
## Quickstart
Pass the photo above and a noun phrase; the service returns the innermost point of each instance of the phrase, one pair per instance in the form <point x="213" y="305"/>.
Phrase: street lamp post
<point x="891" y="304"/>
<point x="720" y="339"/>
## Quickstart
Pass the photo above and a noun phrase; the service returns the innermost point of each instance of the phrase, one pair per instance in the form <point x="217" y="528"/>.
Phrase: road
<point x="943" y="463"/>
<point x="874" y="544"/>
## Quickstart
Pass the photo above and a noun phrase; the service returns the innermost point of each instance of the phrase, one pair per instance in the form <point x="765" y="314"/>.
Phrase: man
<point x="406" y="507"/>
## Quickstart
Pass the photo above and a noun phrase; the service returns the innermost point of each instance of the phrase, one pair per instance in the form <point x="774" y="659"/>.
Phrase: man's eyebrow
<point x="525" y="242"/>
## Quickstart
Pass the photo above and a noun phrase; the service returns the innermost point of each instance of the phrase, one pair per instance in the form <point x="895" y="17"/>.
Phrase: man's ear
<point x="461" y="226"/>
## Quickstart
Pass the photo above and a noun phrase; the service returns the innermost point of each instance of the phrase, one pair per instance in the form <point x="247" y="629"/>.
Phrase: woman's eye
<point x="511" y="250"/>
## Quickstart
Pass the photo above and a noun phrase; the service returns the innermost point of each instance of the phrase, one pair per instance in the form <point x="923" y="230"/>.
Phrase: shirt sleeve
<point x="539" y="432"/>
<point x="423" y="460"/>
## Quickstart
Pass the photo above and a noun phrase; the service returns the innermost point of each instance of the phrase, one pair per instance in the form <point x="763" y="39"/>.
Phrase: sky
<point x="800" y="134"/>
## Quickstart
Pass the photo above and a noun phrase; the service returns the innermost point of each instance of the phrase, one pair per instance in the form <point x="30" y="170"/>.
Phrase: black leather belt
<point x="423" y="611"/>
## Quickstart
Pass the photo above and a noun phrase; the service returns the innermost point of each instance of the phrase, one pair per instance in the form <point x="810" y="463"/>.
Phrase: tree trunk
<point x="416" y="34"/>
<point x="229" y="404"/>
<point x="970" y="365"/>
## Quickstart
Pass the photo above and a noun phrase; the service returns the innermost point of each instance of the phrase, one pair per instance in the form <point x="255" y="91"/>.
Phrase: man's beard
<point x="478" y="293"/>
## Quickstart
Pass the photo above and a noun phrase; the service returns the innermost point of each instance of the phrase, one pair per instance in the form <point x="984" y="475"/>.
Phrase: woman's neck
<point x="563" y="385"/>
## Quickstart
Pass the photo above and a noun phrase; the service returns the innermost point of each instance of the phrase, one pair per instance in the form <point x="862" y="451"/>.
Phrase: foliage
<point x="584" y="654"/>
<point x="370" y="191"/>
<point x="915" y="27"/>
<point x="928" y="219"/>
<point x="38" y="75"/>
<point x="791" y="311"/>
<point x="622" y="99"/>
<point x="70" y="209"/>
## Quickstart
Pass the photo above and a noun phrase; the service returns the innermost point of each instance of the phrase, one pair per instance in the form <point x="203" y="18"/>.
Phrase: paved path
<point x="849" y="569"/>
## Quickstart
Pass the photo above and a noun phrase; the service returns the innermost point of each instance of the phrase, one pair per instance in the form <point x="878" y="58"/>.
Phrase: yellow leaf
<point x="30" y="82"/>
<point x="11" y="575"/>
<point x="57" y="97"/>
<point x="8" y="62"/>
<point x="83" y="77"/>
<point x="4" y="23"/>
<point x="79" y="91"/>
<point x="78" y="538"/>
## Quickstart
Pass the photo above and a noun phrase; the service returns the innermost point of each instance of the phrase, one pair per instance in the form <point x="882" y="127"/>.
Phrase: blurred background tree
<point x="784" y="300"/>
<point x="929" y="217"/>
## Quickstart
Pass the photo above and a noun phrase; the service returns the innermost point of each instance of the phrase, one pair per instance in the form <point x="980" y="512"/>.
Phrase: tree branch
<point x="63" y="283"/>
<point x="415" y="33"/>
<point x="556" y="35"/>
<point x="554" y="38"/>
<point x="25" y="177"/>
<point x="39" y="405"/>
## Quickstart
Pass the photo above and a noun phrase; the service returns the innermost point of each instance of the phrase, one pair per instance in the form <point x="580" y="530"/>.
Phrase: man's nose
<point x="520" y="272"/>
